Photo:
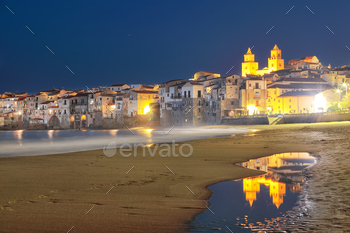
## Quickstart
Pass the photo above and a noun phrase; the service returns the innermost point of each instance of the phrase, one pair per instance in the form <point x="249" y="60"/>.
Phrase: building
<point x="118" y="87"/>
<point x="253" y="96"/>
<point x="192" y="103"/>
<point x="295" y="95"/>
<point x="139" y="102"/>
<point x="310" y="62"/>
<point x="249" y="66"/>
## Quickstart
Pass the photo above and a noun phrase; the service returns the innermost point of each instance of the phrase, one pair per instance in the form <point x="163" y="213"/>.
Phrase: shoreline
<point x="149" y="197"/>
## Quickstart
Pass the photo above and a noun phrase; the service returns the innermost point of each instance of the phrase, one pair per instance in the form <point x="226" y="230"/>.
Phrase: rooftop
<point x="299" y="93"/>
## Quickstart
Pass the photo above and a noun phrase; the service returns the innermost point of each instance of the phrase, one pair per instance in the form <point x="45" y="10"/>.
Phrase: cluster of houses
<point x="297" y="87"/>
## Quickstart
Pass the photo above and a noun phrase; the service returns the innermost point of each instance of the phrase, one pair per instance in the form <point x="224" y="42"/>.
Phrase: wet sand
<point x="89" y="192"/>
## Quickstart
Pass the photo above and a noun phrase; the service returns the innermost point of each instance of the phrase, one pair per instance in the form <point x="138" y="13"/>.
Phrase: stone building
<point x="193" y="104"/>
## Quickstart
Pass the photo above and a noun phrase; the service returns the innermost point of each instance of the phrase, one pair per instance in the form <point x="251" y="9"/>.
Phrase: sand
<point x="89" y="192"/>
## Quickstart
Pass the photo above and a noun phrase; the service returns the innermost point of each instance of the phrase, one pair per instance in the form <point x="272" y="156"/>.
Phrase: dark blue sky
<point x="106" y="42"/>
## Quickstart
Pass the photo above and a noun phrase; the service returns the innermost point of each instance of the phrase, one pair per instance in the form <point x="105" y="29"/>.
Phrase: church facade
<point x="251" y="67"/>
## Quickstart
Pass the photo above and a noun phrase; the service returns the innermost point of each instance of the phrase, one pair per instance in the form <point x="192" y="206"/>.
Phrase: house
<point x="139" y="102"/>
<point x="118" y="87"/>
<point x="192" y="103"/>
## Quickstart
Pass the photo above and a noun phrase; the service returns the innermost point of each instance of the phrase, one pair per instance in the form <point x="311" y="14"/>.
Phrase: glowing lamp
<point x="146" y="109"/>
<point x="251" y="109"/>
<point x="319" y="103"/>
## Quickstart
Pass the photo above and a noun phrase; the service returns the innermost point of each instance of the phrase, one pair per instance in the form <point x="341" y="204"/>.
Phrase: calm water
<point x="257" y="203"/>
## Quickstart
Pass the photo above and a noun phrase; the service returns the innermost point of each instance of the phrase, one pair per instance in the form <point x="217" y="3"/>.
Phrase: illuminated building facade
<point x="253" y="96"/>
<point x="298" y="95"/>
<point x="249" y="66"/>
<point x="275" y="61"/>
<point x="139" y="101"/>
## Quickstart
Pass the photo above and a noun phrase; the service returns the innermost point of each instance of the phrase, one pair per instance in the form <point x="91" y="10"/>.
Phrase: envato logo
<point x="163" y="150"/>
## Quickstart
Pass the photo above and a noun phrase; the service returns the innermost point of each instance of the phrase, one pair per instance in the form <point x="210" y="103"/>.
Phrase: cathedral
<point x="251" y="67"/>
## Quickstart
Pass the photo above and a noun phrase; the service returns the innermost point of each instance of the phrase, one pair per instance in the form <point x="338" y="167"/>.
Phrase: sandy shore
<point x="95" y="193"/>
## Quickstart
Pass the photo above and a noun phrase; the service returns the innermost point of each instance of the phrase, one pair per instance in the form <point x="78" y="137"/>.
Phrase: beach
<point x="90" y="192"/>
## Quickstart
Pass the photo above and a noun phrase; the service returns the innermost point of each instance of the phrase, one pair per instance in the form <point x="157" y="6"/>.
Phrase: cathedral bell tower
<point x="276" y="62"/>
<point x="249" y="66"/>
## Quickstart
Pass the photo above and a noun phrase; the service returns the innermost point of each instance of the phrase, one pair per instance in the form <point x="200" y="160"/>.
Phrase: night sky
<point x="107" y="42"/>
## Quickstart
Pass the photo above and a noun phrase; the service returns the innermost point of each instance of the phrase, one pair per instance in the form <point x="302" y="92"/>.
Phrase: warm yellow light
<point x="149" y="130"/>
<point x="319" y="103"/>
<point x="148" y="145"/>
<point x="251" y="109"/>
<point x="146" y="109"/>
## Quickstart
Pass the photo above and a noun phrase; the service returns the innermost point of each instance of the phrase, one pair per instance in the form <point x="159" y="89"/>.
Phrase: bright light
<point x="251" y="109"/>
<point x="149" y="130"/>
<point x="146" y="109"/>
<point x="338" y="91"/>
<point x="319" y="103"/>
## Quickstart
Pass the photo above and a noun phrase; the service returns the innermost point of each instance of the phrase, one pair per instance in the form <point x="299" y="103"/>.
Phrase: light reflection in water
<point x="50" y="133"/>
<point x="282" y="171"/>
<point x="261" y="203"/>
<point x="113" y="132"/>
<point x="18" y="134"/>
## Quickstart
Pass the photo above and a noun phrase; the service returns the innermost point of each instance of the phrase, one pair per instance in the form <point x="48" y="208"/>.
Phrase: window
<point x="290" y="106"/>
<point x="231" y="102"/>
<point x="185" y="94"/>
<point x="256" y="85"/>
<point x="290" y="100"/>
<point x="65" y="111"/>
<point x="65" y="102"/>
<point x="199" y="103"/>
<point x="199" y="94"/>
<point x="199" y="110"/>
<point x="189" y="94"/>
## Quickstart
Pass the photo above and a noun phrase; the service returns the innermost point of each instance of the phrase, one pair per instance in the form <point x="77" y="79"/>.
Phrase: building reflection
<point x="283" y="171"/>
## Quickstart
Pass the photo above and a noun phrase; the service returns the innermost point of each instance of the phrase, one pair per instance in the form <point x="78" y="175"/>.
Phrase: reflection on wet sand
<point x="283" y="171"/>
